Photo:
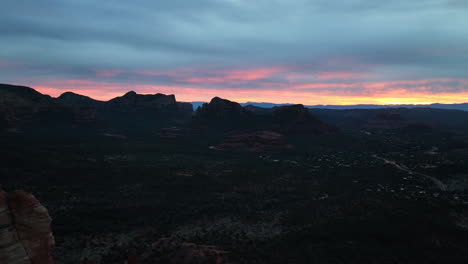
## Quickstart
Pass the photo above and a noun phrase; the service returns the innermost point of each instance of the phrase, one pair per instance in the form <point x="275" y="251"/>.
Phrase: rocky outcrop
<point x="134" y="101"/>
<point x="141" y="113"/>
<point x="221" y="110"/>
<point x="296" y="119"/>
<point x="25" y="231"/>
<point x="291" y="119"/>
<point x="222" y="115"/>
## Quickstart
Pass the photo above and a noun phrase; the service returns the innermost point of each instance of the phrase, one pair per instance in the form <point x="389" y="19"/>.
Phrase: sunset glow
<point x="392" y="92"/>
<point x="358" y="52"/>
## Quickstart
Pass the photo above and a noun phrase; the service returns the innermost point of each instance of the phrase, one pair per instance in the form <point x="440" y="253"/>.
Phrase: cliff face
<point x="221" y="110"/>
<point x="134" y="101"/>
<point x="296" y="119"/>
<point x="222" y="114"/>
<point x="25" y="232"/>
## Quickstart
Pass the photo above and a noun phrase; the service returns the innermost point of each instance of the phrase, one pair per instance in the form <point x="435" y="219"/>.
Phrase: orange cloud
<point x="236" y="75"/>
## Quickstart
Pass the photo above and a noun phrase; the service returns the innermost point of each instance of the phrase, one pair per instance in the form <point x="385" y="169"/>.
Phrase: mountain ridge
<point x="459" y="106"/>
<point x="196" y="104"/>
<point x="22" y="107"/>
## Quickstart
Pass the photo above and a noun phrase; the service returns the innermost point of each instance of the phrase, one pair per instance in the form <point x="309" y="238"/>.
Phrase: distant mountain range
<point x="463" y="106"/>
<point x="25" y="109"/>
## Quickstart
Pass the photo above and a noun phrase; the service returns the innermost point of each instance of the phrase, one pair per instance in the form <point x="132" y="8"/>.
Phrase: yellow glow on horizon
<point x="106" y="91"/>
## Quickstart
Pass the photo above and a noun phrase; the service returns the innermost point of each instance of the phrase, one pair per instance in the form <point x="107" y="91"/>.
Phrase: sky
<point x="289" y="51"/>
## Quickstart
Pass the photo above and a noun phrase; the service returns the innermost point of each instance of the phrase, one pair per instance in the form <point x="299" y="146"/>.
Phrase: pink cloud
<point x="235" y="76"/>
<point x="203" y="75"/>
<point x="277" y="84"/>
<point x="405" y="91"/>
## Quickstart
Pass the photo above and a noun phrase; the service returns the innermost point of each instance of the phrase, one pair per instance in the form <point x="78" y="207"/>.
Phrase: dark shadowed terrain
<point x="145" y="179"/>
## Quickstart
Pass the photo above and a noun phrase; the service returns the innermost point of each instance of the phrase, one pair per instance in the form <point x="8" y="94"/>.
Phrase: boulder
<point x="25" y="230"/>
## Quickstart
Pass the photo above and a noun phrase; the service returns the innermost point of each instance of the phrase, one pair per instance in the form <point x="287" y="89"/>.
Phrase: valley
<point x="227" y="185"/>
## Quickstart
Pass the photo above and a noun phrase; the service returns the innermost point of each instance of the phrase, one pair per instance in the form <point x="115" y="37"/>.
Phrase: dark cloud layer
<point x="178" y="42"/>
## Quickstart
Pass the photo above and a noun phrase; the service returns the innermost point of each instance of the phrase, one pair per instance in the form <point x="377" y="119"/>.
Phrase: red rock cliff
<point x="25" y="231"/>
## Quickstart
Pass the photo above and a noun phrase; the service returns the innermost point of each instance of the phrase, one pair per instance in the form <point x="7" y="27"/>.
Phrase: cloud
<point x="234" y="45"/>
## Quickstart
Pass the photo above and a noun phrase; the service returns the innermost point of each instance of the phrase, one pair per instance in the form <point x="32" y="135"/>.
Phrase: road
<point x="402" y="167"/>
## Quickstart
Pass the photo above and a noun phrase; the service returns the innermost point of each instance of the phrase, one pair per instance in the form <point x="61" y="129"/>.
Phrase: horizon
<point x="204" y="95"/>
<point x="307" y="52"/>
<point x="113" y="95"/>
<point x="240" y="102"/>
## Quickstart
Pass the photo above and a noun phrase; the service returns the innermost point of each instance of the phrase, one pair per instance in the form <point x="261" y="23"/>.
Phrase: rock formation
<point x="25" y="231"/>
<point x="23" y="108"/>
<point x="222" y="115"/>
<point x="70" y="98"/>
<point x="228" y="115"/>
<point x="21" y="96"/>
<point x="296" y="119"/>
<point x="219" y="109"/>
<point x="134" y="101"/>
